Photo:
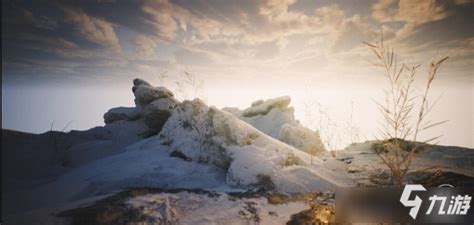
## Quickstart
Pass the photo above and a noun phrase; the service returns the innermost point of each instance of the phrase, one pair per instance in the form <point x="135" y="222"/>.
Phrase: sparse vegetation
<point x="291" y="160"/>
<point x="404" y="111"/>
<point x="57" y="142"/>
<point x="187" y="85"/>
<point x="264" y="182"/>
<point x="351" y="131"/>
<point x="332" y="133"/>
<point x="249" y="138"/>
<point x="190" y="86"/>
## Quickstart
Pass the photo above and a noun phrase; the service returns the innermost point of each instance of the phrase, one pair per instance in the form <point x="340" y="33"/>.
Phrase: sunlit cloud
<point x="410" y="11"/>
<point x="223" y="39"/>
<point x="93" y="29"/>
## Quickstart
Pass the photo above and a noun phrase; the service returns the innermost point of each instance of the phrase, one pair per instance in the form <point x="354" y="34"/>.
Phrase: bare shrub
<point x="190" y="86"/>
<point x="404" y="111"/>
<point x="351" y="131"/>
<point x="333" y="133"/>
<point x="186" y="86"/>
<point x="58" y="142"/>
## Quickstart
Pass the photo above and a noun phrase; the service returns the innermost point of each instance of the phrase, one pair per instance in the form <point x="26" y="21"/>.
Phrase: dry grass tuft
<point x="403" y="110"/>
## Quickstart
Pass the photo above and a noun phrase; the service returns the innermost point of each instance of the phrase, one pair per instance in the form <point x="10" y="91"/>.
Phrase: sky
<point x="66" y="61"/>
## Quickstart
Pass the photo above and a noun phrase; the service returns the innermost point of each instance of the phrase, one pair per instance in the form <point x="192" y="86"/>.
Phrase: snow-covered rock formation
<point x="247" y="145"/>
<point x="153" y="104"/>
<point x="251" y="158"/>
<point x="273" y="117"/>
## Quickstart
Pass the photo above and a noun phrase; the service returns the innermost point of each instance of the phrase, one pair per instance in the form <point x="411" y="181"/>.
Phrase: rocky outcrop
<point x="250" y="145"/>
<point x="274" y="117"/>
<point x="145" y="93"/>
<point x="152" y="104"/>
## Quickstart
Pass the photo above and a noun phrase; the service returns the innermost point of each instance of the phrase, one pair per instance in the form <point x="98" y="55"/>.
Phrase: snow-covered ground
<point x="189" y="208"/>
<point x="174" y="207"/>
<point x="163" y="143"/>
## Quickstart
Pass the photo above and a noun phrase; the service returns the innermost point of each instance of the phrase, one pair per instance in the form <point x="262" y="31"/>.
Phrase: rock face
<point x="153" y="106"/>
<point x="274" y="117"/>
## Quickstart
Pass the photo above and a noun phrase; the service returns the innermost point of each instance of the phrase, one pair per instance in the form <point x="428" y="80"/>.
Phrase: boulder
<point x="157" y="112"/>
<point x="258" y="102"/>
<point x="120" y="113"/>
<point x="155" y="119"/>
<point x="145" y="94"/>
<point x="261" y="107"/>
<point x="167" y="104"/>
<point x="138" y="81"/>
<point x="154" y="106"/>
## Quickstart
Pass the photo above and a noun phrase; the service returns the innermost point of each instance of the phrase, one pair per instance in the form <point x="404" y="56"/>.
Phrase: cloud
<point x="145" y="46"/>
<point x="187" y="57"/>
<point x="455" y="27"/>
<point x="93" y="29"/>
<point x="309" y="62"/>
<point x="331" y="15"/>
<point x="129" y="37"/>
<point x="350" y="34"/>
<point x="162" y="19"/>
<point x="463" y="2"/>
<point x="384" y="10"/>
<point x="251" y="23"/>
<point x="410" y="11"/>
<point x="235" y="30"/>
<point x="271" y="49"/>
